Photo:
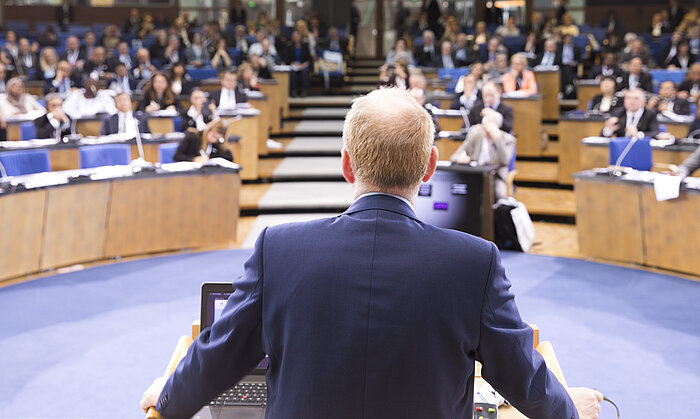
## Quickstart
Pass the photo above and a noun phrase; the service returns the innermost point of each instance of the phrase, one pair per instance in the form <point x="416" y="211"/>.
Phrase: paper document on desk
<point x="667" y="187"/>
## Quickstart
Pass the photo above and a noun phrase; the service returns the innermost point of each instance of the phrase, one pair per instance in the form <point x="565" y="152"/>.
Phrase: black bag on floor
<point x="513" y="227"/>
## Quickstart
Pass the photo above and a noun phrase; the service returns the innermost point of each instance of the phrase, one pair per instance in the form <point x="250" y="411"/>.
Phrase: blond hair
<point x="388" y="137"/>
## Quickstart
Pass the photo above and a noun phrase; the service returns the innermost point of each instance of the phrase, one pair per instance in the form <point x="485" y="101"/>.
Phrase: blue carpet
<point x="86" y="344"/>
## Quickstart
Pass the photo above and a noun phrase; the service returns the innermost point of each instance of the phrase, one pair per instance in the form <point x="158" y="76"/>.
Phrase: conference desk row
<point x="55" y="219"/>
<point x="620" y="219"/>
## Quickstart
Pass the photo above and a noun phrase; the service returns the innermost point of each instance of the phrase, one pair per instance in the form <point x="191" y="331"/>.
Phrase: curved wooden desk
<point x="114" y="214"/>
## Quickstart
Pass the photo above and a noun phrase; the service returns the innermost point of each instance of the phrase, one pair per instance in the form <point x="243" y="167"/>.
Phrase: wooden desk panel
<point x="678" y="130"/>
<point x="671" y="231"/>
<point x="245" y="152"/>
<point x="13" y="131"/>
<point x="76" y="217"/>
<point x="527" y="125"/>
<point x="171" y="213"/>
<point x="67" y="158"/>
<point x="608" y="220"/>
<point x="446" y="147"/>
<point x="274" y="92"/>
<point x="161" y="125"/>
<point x="283" y="78"/>
<point x="570" y="148"/>
<point x="89" y="128"/>
<point x="549" y="84"/>
<point x="585" y="93"/>
<point x="264" y="105"/>
<point x="22" y="226"/>
<point x="450" y="122"/>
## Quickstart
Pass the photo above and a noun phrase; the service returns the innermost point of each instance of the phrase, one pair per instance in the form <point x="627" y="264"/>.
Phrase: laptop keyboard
<point x="243" y="394"/>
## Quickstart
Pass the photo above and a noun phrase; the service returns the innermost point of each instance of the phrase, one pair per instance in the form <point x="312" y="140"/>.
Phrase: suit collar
<point x="382" y="202"/>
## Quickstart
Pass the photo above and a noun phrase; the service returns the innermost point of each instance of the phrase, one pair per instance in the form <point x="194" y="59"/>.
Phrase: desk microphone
<point x="4" y="179"/>
<point x="617" y="171"/>
<point x="691" y="136"/>
<point x="140" y="163"/>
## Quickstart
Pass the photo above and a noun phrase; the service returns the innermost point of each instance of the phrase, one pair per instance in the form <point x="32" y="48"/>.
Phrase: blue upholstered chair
<point x="638" y="157"/>
<point x="27" y="131"/>
<point x="166" y="152"/>
<point x="104" y="155"/>
<point x="25" y="162"/>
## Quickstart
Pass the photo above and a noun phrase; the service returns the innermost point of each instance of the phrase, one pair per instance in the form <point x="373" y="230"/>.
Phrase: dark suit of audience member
<point x="73" y="56"/>
<point x="190" y="122"/>
<point x="73" y="82"/>
<point x="548" y="59"/>
<point x="605" y="71"/>
<point x="647" y="123"/>
<point x="689" y="86"/>
<point x="163" y="102"/>
<point x="643" y="82"/>
<point x="339" y="44"/>
<point x="692" y="163"/>
<point x="28" y="62"/>
<point x="426" y="55"/>
<point x="502" y="108"/>
<point x="445" y="61"/>
<point x="45" y="129"/>
<point x="129" y="61"/>
<point x="615" y="103"/>
<point x="110" y="124"/>
<point x="682" y="63"/>
<point x="299" y="79"/>
<point x="190" y="146"/>
<point x="678" y="105"/>
<point x="65" y="14"/>
<point x="239" y="94"/>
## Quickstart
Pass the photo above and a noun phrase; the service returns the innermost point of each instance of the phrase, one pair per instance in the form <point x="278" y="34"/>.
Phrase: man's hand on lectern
<point x="150" y="396"/>
<point x="587" y="401"/>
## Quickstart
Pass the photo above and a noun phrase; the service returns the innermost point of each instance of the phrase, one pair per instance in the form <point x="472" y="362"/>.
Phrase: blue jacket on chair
<point x="370" y="314"/>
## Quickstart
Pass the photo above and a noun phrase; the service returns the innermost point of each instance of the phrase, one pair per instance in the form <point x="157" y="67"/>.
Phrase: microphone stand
<point x="617" y="170"/>
<point x="140" y="163"/>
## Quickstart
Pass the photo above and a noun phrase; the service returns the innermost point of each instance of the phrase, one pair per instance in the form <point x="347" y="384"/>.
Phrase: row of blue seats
<point x="25" y="162"/>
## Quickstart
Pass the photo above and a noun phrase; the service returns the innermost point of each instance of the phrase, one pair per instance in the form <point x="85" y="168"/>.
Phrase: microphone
<point x="4" y="179"/>
<point x="617" y="171"/>
<point x="691" y="136"/>
<point x="139" y="163"/>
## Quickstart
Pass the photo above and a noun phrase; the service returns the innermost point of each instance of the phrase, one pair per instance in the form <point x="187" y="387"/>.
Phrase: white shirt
<point x="387" y="194"/>
<point x="605" y="104"/>
<point x="127" y="124"/>
<point x="77" y="105"/>
<point x="484" y="152"/>
<point x="633" y="118"/>
<point x="198" y="119"/>
<point x="227" y="99"/>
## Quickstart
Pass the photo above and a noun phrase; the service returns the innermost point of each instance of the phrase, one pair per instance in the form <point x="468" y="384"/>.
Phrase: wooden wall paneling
<point x="64" y="159"/>
<point x="669" y="156"/>
<point x="150" y="152"/>
<point x="585" y="93"/>
<point x="450" y="122"/>
<point x="22" y="225"/>
<point x="76" y="219"/>
<point x="245" y="152"/>
<point x="609" y="220"/>
<point x="570" y="148"/>
<point x="527" y="124"/>
<point x="549" y="84"/>
<point x="672" y="231"/>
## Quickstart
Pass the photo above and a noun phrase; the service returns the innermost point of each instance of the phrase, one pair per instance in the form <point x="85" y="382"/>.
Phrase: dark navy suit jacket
<point x="371" y="314"/>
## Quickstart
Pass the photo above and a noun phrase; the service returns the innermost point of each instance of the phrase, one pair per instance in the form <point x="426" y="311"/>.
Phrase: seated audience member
<point x="491" y="99"/>
<point x="683" y="58"/>
<point x="64" y="81"/>
<point x="262" y="66"/>
<point x="10" y="50"/>
<point x="334" y="42"/>
<point x="147" y="26"/>
<point x="180" y="82"/>
<point x="97" y="67"/>
<point x="157" y="50"/>
<point x="536" y="24"/>
<point x="221" y="58"/>
<point x="208" y="145"/>
<point x="671" y="49"/>
<point x="481" y="36"/>
<point x="427" y="53"/>
<point x="158" y="96"/>
<point x="447" y="58"/>
<point x="691" y="164"/>
<point x="231" y="93"/>
<point x="421" y="25"/>
<point x="638" y="50"/>
<point x="690" y="87"/>
<point x="89" y="44"/>
<point x="26" y="58"/>
<point x="633" y="120"/>
<point x="499" y="67"/>
<point x="477" y="69"/>
<point x="532" y="47"/>
<point x="493" y="48"/>
<point x="16" y="102"/>
<point x="124" y="121"/>
<point x="196" y="55"/>
<point x="694" y="40"/>
<point x="73" y="54"/>
<point x="267" y="53"/>
<point x="568" y="27"/>
<point x="395" y="76"/>
<point x="239" y="40"/>
<point x="144" y="69"/>
<point x="667" y="103"/>
<point x="48" y="38"/>
<point x="487" y="144"/>
<point x="48" y="64"/>
<point x="122" y="82"/>
<point x="606" y="101"/>
<point x="110" y="40"/>
<point x="464" y="51"/>
<point x="173" y="52"/>
<point x="257" y="47"/>
<point x="550" y="56"/>
<point x="509" y="29"/>
<point x="55" y="123"/>
<point x="635" y="77"/>
<point x="570" y="54"/>
<point x="3" y="76"/>
<point x="88" y="101"/>
<point x="608" y="68"/>
<point x="132" y="26"/>
<point x="199" y="113"/>
<point x="246" y="77"/>
<point x="123" y="56"/>
<point x="519" y="79"/>
<point x="400" y="52"/>
<point x="470" y="94"/>
<point x="298" y="56"/>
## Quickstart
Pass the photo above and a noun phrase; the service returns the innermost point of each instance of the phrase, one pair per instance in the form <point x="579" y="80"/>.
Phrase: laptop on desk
<point x="248" y="398"/>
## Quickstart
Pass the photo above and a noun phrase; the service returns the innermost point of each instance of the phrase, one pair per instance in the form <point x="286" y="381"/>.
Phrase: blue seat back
<point x="166" y="152"/>
<point x="511" y="165"/>
<point x="104" y="155"/>
<point x="27" y="131"/>
<point x="451" y="76"/>
<point x="514" y="43"/>
<point x="177" y="124"/>
<point x="25" y="162"/>
<point x="638" y="157"/>
<point x="660" y="76"/>
<point x="202" y="73"/>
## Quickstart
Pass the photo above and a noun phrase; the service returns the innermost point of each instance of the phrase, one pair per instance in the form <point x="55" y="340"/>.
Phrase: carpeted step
<point x="312" y="128"/>
<point x="309" y="146"/>
<point x="319" y="101"/>
<point x="318" y="113"/>
<point x="300" y="168"/>
<point x="306" y="195"/>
